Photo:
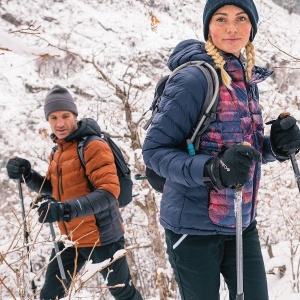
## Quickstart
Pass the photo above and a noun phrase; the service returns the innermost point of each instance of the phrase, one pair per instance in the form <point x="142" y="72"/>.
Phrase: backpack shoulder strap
<point x="208" y="109"/>
<point x="54" y="149"/>
<point x="83" y="143"/>
<point x="210" y="102"/>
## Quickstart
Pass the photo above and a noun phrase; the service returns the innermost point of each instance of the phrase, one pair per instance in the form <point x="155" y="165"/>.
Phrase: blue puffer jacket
<point x="187" y="205"/>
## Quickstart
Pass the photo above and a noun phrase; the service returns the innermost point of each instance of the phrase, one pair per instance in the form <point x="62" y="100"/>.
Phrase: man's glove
<point x="285" y="136"/>
<point x="18" y="167"/>
<point x="231" y="167"/>
<point x="51" y="210"/>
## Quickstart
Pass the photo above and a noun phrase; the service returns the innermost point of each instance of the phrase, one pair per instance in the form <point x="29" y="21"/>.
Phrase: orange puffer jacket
<point x="96" y="218"/>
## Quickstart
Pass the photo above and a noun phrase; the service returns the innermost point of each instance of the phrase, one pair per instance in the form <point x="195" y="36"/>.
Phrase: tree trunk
<point x="151" y="210"/>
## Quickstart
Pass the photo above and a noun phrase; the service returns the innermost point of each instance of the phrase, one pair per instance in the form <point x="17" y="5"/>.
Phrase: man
<point x="90" y="219"/>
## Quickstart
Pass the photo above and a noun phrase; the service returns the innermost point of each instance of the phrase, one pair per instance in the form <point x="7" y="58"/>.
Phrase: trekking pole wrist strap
<point x="67" y="212"/>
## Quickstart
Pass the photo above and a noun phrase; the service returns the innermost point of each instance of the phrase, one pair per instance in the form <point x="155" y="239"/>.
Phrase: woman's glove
<point x="285" y="136"/>
<point x="231" y="167"/>
<point x="51" y="210"/>
<point x="18" y="167"/>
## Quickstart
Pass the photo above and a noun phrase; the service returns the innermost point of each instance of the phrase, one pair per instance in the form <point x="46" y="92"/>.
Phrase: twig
<point x="296" y="58"/>
<point x="30" y="30"/>
<point x="5" y="49"/>
<point x="127" y="250"/>
<point x="7" y="288"/>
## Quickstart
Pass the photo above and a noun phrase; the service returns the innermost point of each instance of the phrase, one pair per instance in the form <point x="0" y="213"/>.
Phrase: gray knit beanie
<point x="59" y="98"/>
<point x="212" y="6"/>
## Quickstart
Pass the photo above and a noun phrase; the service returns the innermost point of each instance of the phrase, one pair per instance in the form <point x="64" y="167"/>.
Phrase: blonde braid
<point x="214" y="53"/>
<point x="250" y="56"/>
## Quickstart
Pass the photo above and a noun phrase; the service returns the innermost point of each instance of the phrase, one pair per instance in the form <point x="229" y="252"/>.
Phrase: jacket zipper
<point x="254" y="176"/>
<point x="60" y="185"/>
<point x="61" y="190"/>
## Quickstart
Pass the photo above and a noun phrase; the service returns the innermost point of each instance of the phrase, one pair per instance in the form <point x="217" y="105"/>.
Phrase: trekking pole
<point x="239" y="242"/>
<point x="26" y="235"/>
<point x="295" y="168"/>
<point x="59" y="260"/>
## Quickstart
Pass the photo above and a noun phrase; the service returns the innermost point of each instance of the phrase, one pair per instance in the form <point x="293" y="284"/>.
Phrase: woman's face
<point x="230" y="29"/>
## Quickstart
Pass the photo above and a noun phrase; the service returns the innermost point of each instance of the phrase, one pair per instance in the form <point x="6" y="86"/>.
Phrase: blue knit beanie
<point x="212" y="6"/>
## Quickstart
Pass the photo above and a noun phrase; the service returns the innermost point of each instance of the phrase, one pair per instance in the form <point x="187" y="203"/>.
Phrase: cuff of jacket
<point x="212" y="175"/>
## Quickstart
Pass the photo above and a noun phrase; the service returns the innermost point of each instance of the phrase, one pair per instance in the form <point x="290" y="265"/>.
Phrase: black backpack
<point x="123" y="171"/>
<point x="207" y="114"/>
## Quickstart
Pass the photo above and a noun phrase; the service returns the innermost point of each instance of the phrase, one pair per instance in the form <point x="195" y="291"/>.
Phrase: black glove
<point x="51" y="210"/>
<point x="231" y="167"/>
<point x="285" y="136"/>
<point x="18" y="167"/>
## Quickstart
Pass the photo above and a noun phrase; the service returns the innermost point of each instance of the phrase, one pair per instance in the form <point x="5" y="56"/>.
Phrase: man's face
<point x="62" y="123"/>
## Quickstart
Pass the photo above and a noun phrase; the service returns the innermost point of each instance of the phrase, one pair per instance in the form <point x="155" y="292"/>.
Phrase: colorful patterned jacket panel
<point x="238" y="119"/>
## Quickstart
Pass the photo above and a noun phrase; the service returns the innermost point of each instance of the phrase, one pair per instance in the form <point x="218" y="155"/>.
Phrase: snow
<point x="92" y="268"/>
<point x="119" y="38"/>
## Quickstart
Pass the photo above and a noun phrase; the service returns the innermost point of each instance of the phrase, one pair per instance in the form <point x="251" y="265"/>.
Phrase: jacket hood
<point x="86" y="127"/>
<point x="188" y="50"/>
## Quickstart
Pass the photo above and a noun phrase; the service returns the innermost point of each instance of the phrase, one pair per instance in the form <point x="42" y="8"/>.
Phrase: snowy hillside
<point x="110" y="54"/>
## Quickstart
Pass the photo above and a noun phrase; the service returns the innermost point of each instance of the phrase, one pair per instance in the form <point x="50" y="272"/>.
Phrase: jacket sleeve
<point x="38" y="184"/>
<point x="178" y="113"/>
<point x="267" y="154"/>
<point x="102" y="173"/>
<point x="93" y="203"/>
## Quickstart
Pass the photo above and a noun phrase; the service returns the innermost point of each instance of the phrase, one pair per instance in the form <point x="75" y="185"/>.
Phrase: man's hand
<point x="51" y="210"/>
<point x="18" y="167"/>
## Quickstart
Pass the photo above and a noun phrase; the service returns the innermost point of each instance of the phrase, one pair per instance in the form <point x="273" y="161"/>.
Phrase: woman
<point x="198" y="196"/>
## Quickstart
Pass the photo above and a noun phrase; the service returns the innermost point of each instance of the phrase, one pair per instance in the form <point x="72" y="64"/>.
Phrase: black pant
<point x="198" y="261"/>
<point x="53" y="288"/>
